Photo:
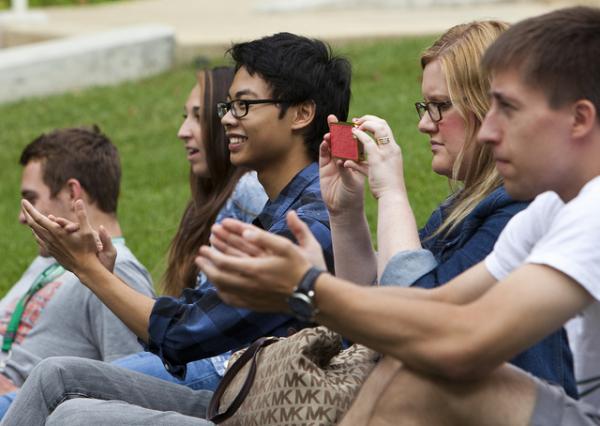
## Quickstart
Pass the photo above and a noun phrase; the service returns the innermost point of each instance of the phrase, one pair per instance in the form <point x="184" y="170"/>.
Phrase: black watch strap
<point x="307" y="283"/>
<point x="302" y="300"/>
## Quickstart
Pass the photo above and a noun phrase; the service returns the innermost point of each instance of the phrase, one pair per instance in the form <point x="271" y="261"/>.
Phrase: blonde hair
<point x="459" y="51"/>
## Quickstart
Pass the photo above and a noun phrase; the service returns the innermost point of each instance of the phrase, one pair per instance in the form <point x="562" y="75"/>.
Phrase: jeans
<point x="201" y="374"/>
<point x="5" y="401"/>
<point x="96" y="393"/>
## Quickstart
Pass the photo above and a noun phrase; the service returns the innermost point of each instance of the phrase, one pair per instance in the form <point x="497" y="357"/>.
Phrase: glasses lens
<point x="239" y="108"/>
<point x="434" y="112"/>
<point x="222" y="109"/>
<point x="420" y="106"/>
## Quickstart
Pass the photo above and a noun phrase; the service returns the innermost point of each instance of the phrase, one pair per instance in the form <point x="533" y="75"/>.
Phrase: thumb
<point x="324" y="154"/>
<point x="105" y="239"/>
<point x="82" y="218"/>
<point x="300" y="230"/>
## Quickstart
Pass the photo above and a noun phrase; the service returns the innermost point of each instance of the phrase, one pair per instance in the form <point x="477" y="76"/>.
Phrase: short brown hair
<point x="81" y="153"/>
<point x="558" y="52"/>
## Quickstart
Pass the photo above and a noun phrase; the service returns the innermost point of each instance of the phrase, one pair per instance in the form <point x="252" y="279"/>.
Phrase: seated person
<point x="48" y="312"/>
<point x="275" y="118"/>
<point x="453" y="342"/>
<point x="463" y="230"/>
<point x="219" y="190"/>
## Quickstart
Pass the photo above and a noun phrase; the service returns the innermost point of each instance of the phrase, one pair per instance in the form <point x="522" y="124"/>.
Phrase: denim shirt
<point x="199" y="325"/>
<point x="247" y="200"/>
<point x="245" y="203"/>
<point x="443" y="257"/>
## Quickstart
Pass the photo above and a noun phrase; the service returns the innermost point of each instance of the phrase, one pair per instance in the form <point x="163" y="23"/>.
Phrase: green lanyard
<point x="50" y="274"/>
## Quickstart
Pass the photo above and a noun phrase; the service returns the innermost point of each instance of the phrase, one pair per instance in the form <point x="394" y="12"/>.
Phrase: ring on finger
<point x="383" y="141"/>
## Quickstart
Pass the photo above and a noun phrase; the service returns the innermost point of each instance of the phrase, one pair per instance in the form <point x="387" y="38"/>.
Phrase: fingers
<point x="105" y="240"/>
<point x="300" y="229"/>
<point x="362" y="168"/>
<point x="31" y="217"/>
<point x="67" y="225"/>
<point x="227" y="238"/>
<point x="35" y="217"/>
<point x="217" y="265"/>
<point x="331" y="118"/>
<point x="81" y="213"/>
<point x="269" y="242"/>
<point x="367" y="117"/>
<point x="324" y="153"/>
<point x="367" y="141"/>
<point x="229" y="285"/>
<point x="222" y="246"/>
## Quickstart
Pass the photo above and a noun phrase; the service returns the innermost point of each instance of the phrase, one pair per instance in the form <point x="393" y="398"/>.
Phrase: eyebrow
<point x="195" y="110"/>
<point x="436" y="98"/>
<point x="242" y="93"/>
<point x="502" y="97"/>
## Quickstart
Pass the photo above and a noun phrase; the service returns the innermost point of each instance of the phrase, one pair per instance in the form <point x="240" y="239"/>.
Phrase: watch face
<point x="301" y="306"/>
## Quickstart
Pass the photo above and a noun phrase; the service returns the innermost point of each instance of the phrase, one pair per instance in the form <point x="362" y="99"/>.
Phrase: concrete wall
<point x="105" y="58"/>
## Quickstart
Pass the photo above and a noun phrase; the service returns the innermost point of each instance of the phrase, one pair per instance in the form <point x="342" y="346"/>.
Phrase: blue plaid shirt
<point x="199" y="325"/>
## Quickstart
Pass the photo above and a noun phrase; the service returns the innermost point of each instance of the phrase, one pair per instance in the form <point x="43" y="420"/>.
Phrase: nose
<point x="184" y="130"/>
<point x="228" y="120"/>
<point x="489" y="132"/>
<point x="427" y="125"/>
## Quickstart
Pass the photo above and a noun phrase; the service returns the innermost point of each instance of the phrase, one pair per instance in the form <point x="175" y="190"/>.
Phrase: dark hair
<point x="558" y="52"/>
<point x="299" y="69"/>
<point x="81" y="153"/>
<point x="209" y="194"/>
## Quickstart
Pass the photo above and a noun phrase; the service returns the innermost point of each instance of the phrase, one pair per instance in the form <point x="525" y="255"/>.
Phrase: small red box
<point x="343" y="143"/>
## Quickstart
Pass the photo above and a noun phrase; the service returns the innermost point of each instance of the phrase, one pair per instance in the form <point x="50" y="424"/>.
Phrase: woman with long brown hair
<point x="219" y="190"/>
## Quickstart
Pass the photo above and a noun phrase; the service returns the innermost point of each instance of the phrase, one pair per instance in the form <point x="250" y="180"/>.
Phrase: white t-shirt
<point x="565" y="237"/>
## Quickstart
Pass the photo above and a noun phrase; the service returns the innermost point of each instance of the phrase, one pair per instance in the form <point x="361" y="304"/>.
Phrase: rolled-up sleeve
<point x="200" y="325"/>
<point x="405" y="267"/>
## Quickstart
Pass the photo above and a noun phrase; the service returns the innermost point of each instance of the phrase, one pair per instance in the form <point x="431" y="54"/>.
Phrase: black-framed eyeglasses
<point x="240" y="107"/>
<point x="434" y="109"/>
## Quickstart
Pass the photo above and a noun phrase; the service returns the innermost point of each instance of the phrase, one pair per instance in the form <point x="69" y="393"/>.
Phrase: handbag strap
<point x="249" y="354"/>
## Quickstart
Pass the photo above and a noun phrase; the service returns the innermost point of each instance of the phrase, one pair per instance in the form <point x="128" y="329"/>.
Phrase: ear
<point x="74" y="189"/>
<point x="585" y="118"/>
<point x="304" y="114"/>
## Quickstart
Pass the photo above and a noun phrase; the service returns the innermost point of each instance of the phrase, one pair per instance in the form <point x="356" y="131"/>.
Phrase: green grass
<point x="5" y="4"/>
<point x="142" y="118"/>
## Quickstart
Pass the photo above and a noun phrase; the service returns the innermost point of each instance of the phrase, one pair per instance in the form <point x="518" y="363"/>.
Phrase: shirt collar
<point x="275" y="209"/>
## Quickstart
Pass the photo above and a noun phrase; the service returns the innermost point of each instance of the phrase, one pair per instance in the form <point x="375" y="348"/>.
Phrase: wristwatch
<point x="302" y="300"/>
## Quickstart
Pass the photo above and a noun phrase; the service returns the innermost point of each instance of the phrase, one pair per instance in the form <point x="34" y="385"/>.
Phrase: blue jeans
<point x="204" y="374"/>
<point x="5" y="401"/>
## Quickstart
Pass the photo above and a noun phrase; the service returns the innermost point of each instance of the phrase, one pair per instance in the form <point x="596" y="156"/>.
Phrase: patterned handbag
<point x="307" y="378"/>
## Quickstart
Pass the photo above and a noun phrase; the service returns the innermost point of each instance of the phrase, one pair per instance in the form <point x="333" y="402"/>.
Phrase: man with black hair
<point x="447" y="349"/>
<point x="275" y="117"/>
<point x="48" y="312"/>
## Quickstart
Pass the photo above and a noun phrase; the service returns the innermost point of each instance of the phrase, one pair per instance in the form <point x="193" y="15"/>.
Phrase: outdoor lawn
<point x="143" y="117"/>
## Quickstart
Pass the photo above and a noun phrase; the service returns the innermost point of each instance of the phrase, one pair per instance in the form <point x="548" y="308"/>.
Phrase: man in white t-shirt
<point x="453" y="342"/>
